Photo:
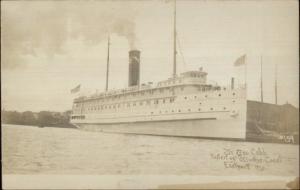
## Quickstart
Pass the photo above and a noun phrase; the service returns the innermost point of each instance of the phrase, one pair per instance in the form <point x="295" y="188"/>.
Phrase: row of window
<point x="133" y="104"/>
<point x="129" y="104"/>
<point x="157" y="101"/>
<point x="165" y="112"/>
<point x="169" y="82"/>
<point x="182" y="110"/>
<point x="195" y="97"/>
<point x="142" y="93"/>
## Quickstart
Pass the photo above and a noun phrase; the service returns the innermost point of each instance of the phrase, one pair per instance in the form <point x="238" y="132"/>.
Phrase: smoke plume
<point x="31" y="27"/>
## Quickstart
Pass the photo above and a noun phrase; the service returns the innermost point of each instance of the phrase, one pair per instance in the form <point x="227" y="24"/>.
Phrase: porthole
<point x="211" y="108"/>
<point x="189" y="109"/>
<point x="233" y="101"/>
<point x="199" y="109"/>
<point x="151" y="112"/>
<point x="224" y="108"/>
<point x="195" y="97"/>
<point x="219" y="94"/>
<point x="179" y="110"/>
<point x="205" y="96"/>
<point x="185" y="98"/>
<point x="172" y="111"/>
<point x="233" y="93"/>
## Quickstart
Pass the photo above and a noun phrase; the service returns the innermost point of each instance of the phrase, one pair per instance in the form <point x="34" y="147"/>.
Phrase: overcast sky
<point x="50" y="47"/>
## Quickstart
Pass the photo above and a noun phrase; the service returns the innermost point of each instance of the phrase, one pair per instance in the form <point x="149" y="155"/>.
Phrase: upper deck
<point x="189" y="78"/>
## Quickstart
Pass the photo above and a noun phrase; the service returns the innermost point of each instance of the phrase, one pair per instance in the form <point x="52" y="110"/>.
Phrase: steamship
<point x="183" y="105"/>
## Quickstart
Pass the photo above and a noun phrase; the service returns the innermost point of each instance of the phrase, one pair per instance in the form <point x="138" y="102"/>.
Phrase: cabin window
<point x="211" y="108"/>
<point x="114" y="106"/>
<point x="141" y="103"/>
<point x="151" y="112"/>
<point x="179" y="110"/>
<point x="199" y="109"/>
<point x="156" y="102"/>
<point x="134" y="104"/>
<point x="233" y="93"/>
<point x="233" y="101"/>
<point x="189" y="109"/>
<point x="164" y="101"/>
<point x="219" y="94"/>
<point x="195" y="97"/>
<point x="185" y="98"/>
<point x="172" y="111"/>
<point x="224" y="108"/>
<point x="205" y="96"/>
<point x="171" y="100"/>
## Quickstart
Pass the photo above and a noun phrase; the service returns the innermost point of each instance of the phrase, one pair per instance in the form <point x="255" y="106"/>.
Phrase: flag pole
<point x="174" y="41"/>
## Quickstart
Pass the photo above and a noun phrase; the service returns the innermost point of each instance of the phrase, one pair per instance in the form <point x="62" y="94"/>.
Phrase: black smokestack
<point x="134" y="68"/>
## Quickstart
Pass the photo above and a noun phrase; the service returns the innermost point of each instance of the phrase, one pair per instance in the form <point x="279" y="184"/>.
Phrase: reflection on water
<point x="33" y="150"/>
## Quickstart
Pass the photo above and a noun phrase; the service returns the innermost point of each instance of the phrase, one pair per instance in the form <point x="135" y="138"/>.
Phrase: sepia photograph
<point x="150" y="94"/>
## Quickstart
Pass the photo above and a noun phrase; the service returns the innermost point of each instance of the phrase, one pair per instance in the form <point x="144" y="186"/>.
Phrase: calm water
<point x="33" y="150"/>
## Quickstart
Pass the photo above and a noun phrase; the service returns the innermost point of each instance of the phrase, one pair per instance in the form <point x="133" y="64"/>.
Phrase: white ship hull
<point x="190" y="122"/>
<point x="209" y="128"/>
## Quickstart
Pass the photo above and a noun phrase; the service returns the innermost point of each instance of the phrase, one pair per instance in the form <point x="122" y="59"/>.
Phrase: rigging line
<point x="180" y="51"/>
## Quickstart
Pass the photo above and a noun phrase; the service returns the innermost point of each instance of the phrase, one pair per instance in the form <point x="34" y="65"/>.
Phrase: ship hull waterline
<point x="206" y="128"/>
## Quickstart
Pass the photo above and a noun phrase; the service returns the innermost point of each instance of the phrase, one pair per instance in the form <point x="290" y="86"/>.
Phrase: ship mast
<point x="261" y="81"/>
<point x="107" y="65"/>
<point x="174" y="41"/>
<point x="276" y="84"/>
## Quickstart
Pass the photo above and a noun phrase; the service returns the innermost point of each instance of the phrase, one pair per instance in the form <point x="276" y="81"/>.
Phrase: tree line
<point x="42" y="118"/>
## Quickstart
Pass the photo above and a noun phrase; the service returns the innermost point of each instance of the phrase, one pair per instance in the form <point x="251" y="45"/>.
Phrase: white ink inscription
<point x="256" y="158"/>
